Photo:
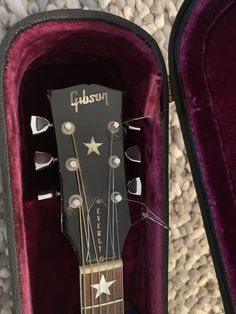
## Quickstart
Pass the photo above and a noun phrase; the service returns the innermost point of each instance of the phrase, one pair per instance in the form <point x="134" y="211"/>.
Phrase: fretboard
<point x="101" y="288"/>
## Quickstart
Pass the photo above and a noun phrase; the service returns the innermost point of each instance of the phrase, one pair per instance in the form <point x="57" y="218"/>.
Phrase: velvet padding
<point x="57" y="54"/>
<point x="207" y="67"/>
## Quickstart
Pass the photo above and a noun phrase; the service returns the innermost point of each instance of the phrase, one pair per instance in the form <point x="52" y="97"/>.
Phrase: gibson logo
<point x="84" y="99"/>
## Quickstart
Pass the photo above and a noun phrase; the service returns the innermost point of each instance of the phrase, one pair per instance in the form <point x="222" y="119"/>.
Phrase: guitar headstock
<point x="90" y="136"/>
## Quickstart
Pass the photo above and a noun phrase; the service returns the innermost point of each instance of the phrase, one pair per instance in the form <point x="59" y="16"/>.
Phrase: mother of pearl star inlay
<point x="93" y="146"/>
<point x="103" y="287"/>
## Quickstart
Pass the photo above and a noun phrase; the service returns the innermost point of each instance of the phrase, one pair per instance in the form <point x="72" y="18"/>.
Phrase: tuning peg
<point x="47" y="195"/>
<point x="134" y="125"/>
<point x="43" y="160"/>
<point x="134" y="128"/>
<point x="135" y="186"/>
<point x="39" y="125"/>
<point x="133" y="154"/>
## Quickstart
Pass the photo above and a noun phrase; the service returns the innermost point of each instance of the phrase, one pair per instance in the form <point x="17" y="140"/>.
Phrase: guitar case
<point x="68" y="47"/>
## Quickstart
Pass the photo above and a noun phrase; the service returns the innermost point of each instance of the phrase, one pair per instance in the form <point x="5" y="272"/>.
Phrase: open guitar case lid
<point x="68" y="47"/>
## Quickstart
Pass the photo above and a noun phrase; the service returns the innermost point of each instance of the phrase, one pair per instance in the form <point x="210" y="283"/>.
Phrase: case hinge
<point x="171" y="98"/>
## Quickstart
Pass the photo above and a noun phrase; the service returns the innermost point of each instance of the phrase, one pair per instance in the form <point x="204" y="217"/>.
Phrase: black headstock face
<point x="90" y="140"/>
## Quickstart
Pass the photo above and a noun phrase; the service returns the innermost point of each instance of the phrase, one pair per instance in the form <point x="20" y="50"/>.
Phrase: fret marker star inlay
<point x="93" y="146"/>
<point x="103" y="287"/>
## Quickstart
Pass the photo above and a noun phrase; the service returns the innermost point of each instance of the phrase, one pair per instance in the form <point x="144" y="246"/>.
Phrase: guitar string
<point x="82" y="245"/>
<point x="86" y="234"/>
<point x="140" y="118"/>
<point x="115" y="212"/>
<point x="82" y="223"/>
<point x="156" y="219"/>
<point x="85" y="198"/>
<point x="93" y="239"/>
<point x="119" y="255"/>
<point x="98" y="264"/>
<point x="111" y="178"/>
<point x="94" y="246"/>
<point x="82" y="248"/>
<point x="120" y="269"/>
<point x="84" y="281"/>
<point x="145" y="216"/>
<point x="90" y="264"/>
<point x="114" y="218"/>
<point x="115" y="224"/>
<point x="108" y="210"/>
<point x="137" y="119"/>
<point x="113" y="238"/>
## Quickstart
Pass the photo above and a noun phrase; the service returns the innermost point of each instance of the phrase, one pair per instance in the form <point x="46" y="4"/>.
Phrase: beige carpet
<point x="192" y="283"/>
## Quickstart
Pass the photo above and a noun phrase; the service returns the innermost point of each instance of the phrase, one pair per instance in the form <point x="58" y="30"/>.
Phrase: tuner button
<point x="39" y="125"/>
<point x="133" y="154"/>
<point x="114" y="161"/>
<point x="133" y="127"/>
<point x="113" y="126"/>
<point x="68" y="128"/>
<point x="72" y="164"/>
<point x="47" y="195"/>
<point x="116" y="197"/>
<point x="135" y="186"/>
<point x="43" y="160"/>
<point x="75" y="201"/>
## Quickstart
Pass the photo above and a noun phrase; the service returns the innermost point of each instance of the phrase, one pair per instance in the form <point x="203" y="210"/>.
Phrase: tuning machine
<point x="48" y="195"/>
<point x="39" y="125"/>
<point x="43" y="160"/>
<point x="133" y="125"/>
<point x="135" y="186"/>
<point x="133" y="154"/>
<point x="134" y="128"/>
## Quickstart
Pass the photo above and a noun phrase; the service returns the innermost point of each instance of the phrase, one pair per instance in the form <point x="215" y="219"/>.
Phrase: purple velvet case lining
<point x="57" y="53"/>
<point x="204" y="71"/>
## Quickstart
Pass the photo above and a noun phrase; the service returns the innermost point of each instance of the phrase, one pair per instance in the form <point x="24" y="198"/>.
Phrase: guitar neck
<point x="90" y="133"/>
<point x="101" y="288"/>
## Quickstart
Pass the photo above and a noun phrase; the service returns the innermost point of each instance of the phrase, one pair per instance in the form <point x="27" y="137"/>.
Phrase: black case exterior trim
<point x="180" y="100"/>
<point x="76" y="14"/>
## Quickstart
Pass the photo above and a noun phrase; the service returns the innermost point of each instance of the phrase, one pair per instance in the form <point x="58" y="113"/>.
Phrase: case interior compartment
<point x="57" y="54"/>
<point x="207" y="70"/>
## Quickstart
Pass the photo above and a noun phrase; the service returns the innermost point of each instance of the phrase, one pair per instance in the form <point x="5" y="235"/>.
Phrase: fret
<point x="104" y="304"/>
<point x="101" y="288"/>
<point x="113" y="307"/>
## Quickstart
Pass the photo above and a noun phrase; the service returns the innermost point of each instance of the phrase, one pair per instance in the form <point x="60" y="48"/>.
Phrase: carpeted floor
<point x="192" y="283"/>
